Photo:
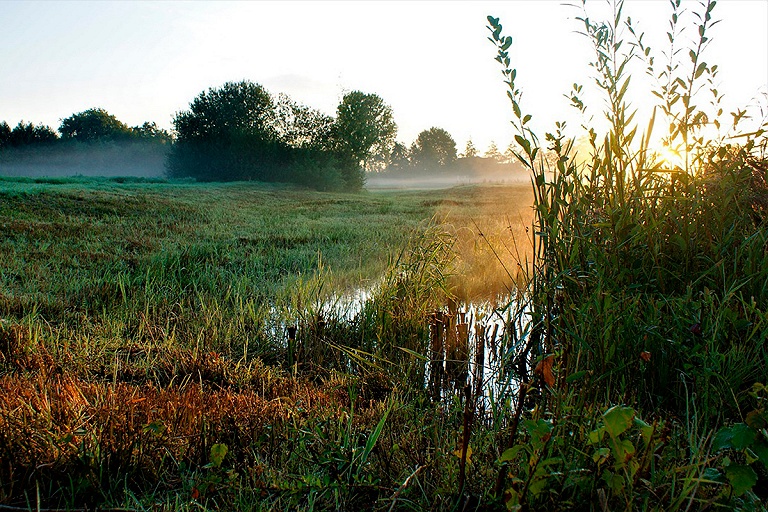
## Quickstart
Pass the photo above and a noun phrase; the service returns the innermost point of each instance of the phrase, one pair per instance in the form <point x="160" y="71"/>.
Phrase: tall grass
<point x="648" y="286"/>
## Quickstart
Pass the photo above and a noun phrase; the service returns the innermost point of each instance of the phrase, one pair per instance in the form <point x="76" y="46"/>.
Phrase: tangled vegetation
<point x="648" y="293"/>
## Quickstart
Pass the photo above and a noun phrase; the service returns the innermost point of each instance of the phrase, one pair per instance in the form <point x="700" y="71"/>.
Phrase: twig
<point x="402" y="487"/>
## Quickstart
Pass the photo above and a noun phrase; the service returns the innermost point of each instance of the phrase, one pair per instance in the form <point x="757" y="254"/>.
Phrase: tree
<point x="509" y="154"/>
<point x="228" y="134"/>
<point x="470" y="151"/>
<point x="364" y="133"/>
<point x="493" y="153"/>
<point x="433" y="148"/>
<point x="92" y="125"/>
<point x="300" y="126"/>
<point x="5" y="135"/>
<point x="27" y="133"/>
<point x="399" y="159"/>
<point x="150" y="131"/>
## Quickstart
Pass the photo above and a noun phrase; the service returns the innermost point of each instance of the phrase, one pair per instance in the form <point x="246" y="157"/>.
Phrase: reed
<point x="648" y="297"/>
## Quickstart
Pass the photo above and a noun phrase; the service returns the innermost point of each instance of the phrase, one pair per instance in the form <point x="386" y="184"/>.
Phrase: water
<point x="471" y="344"/>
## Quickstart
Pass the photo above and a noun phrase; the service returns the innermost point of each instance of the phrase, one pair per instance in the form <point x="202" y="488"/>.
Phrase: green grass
<point x="120" y="302"/>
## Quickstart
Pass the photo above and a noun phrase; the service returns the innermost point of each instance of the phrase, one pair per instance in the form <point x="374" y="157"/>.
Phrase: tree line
<point x="91" y="125"/>
<point x="240" y="131"/>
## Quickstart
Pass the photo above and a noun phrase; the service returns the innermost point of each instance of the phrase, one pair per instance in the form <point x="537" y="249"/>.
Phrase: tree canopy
<point x="92" y="125"/>
<point x="25" y="134"/>
<point x="227" y="134"/>
<point x="433" y="148"/>
<point x="365" y="129"/>
<point x="239" y="132"/>
<point x="300" y="126"/>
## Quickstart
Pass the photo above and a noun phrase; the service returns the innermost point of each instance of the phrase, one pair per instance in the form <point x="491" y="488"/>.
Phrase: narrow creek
<point x="469" y="344"/>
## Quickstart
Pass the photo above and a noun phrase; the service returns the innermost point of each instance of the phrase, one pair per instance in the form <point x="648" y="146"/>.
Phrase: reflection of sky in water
<point x="487" y="323"/>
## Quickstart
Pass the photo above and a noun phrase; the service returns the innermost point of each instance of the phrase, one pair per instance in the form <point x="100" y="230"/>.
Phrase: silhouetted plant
<point x="647" y="286"/>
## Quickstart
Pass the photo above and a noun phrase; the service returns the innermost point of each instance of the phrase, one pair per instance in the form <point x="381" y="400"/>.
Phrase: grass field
<point x="144" y="359"/>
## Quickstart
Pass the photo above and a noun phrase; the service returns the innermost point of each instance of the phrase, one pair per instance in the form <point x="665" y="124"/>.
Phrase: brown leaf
<point x="645" y="356"/>
<point x="544" y="370"/>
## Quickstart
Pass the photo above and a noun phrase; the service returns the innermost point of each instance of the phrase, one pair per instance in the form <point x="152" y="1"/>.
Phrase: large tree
<point x="365" y="130"/>
<point x="92" y="125"/>
<point x="433" y="148"/>
<point x="228" y="133"/>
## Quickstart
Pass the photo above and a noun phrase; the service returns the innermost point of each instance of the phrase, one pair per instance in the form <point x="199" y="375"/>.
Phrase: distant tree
<point x="300" y="126"/>
<point x="92" y="125"/>
<point x="150" y="131"/>
<point x="228" y="133"/>
<point x="364" y="133"/>
<point x="399" y="159"/>
<point x="5" y="135"/>
<point x="470" y="151"/>
<point x="27" y="133"/>
<point x="509" y="154"/>
<point x="493" y="153"/>
<point x="433" y="148"/>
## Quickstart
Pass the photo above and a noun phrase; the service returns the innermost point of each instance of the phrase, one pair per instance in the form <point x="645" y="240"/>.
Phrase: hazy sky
<point x="431" y="61"/>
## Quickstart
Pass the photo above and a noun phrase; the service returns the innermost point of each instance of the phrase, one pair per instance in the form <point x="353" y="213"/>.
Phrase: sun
<point x="669" y="157"/>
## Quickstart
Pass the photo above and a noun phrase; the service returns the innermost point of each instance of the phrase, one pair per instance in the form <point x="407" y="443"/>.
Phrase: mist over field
<point x="107" y="159"/>
<point x="463" y="171"/>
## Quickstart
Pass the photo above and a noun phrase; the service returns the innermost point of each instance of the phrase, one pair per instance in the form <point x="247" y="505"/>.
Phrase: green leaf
<point x="512" y="499"/>
<point x="738" y="437"/>
<point x="760" y="449"/>
<point x="645" y="429"/>
<point x="743" y="436"/>
<point x="218" y="452"/>
<point x="414" y="353"/>
<point x="622" y="450"/>
<point x="156" y="427"/>
<point x="601" y="454"/>
<point x="614" y="481"/>
<point x="539" y="482"/>
<point x="576" y="376"/>
<point x="524" y="143"/>
<point x="702" y="67"/>
<point x="757" y="419"/>
<point x="712" y="475"/>
<point x="540" y="431"/>
<point x="510" y="453"/>
<point x="722" y="439"/>
<point x="618" y="419"/>
<point x="374" y="437"/>
<point x="596" y="435"/>
<point x="741" y="478"/>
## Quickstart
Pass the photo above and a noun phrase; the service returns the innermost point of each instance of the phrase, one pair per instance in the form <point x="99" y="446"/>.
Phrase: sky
<point x="430" y="61"/>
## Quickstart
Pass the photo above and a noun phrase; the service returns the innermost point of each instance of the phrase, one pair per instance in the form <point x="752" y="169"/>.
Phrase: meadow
<point x="145" y="350"/>
<point x="594" y="340"/>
